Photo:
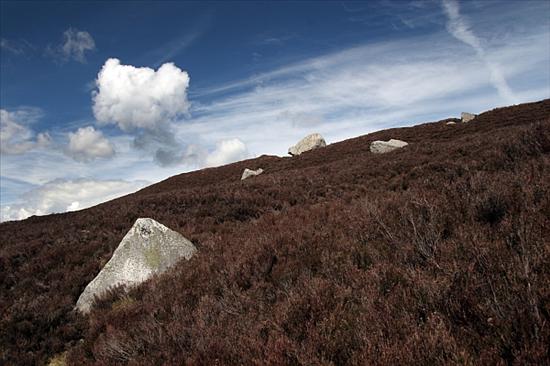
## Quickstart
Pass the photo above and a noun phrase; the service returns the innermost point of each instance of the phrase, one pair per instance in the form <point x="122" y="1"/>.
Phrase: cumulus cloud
<point x="143" y="102"/>
<point x="139" y="97"/>
<point x="461" y="30"/>
<point x="67" y="195"/>
<point x="161" y="143"/>
<point x="194" y="155"/>
<point x="227" y="151"/>
<point x="15" y="137"/>
<point x="87" y="144"/>
<point x="352" y="91"/>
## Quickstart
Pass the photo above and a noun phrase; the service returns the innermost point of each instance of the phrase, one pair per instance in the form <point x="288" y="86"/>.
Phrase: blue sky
<point x="99" y="99"/>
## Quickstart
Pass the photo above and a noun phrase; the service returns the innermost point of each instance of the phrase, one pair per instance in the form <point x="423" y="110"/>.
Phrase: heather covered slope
<point x="437" y="253"/>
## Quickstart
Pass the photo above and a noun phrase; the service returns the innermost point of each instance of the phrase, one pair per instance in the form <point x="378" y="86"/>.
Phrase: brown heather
<point x="434" y="254"/>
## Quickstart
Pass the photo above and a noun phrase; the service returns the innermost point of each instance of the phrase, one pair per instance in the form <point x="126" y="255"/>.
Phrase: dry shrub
<point x="432" y="254"/>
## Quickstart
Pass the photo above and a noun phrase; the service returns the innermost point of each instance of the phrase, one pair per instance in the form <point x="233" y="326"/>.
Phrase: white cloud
<point x="189" y="36"/>
<point x="340" y="95"/>
<point x="7" y="46"/>
<point x="17" y="48"/>
<point x="461" y="30"/>
<point x="302" y="119"/>
<point x="139" y="97"/>
<point x="87" y="144"/>
<point x="15" y="136"/>
<point x="67" y="195"/>
<point x="370" y="87"/>
<point x="227" y="151"/>
<point x="143" y="102"/>
<point x="75" y="44"/>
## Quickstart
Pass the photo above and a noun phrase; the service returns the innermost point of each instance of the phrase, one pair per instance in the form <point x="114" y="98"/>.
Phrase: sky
<point x="100" y="99"/>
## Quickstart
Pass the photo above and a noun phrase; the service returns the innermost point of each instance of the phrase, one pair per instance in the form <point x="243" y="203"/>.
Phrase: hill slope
<point x="437" y="253"/>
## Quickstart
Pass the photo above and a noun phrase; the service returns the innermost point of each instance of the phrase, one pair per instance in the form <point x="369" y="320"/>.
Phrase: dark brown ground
<point x="437" y="253"/>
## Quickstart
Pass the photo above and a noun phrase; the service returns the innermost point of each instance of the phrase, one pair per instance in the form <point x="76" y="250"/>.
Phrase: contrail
<point x="460" y="29"/>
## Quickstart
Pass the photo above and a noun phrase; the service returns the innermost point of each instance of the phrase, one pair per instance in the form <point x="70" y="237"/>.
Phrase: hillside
<point x="437" y="253"/>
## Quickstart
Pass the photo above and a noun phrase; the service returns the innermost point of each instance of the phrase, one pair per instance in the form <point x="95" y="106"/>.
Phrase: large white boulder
<point x="380" y="147"/>
<point x="310" y="142"/>
<point x="251" y="173"/>
<point x="467" y="117"/>
<point x="148" y="248"/>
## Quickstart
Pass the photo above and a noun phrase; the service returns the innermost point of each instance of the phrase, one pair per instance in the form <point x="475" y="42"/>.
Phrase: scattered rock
<point x="251" y="173"/>
<point x="308" y="143"/>
<point x="450" y="123"/>
<point x="59" y="359"/>
<point x="467" y="117"/>
<point x="148" y="248"/>
<point x="380" y="147"/>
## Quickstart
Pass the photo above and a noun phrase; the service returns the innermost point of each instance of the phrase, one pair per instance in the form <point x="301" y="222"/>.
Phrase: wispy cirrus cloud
<point x="460" y="28"/>
<point x="168" y="50"/>
<point x="340" y="94"/>
<point x="361" y="89"/>
<point x="399" y="14"/>
<point x="16" y="47"/>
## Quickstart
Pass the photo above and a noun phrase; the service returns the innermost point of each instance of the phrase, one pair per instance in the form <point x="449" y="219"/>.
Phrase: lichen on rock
<point x="381" y="147"/>
<point x="247" y="173"/>
<point x="148" y="248"/>
<point x="310" y="142"/>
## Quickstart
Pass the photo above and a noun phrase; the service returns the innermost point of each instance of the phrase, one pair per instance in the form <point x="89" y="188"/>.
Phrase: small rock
<point x="251" y="173"/>
<point x="310" y="142"/>
<point x="467" y="117"/>
<point x="450" y="123"/>
<point x="148" y="248"/>
<point x="59" y="359"/>
<point x="380" y="147"/>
